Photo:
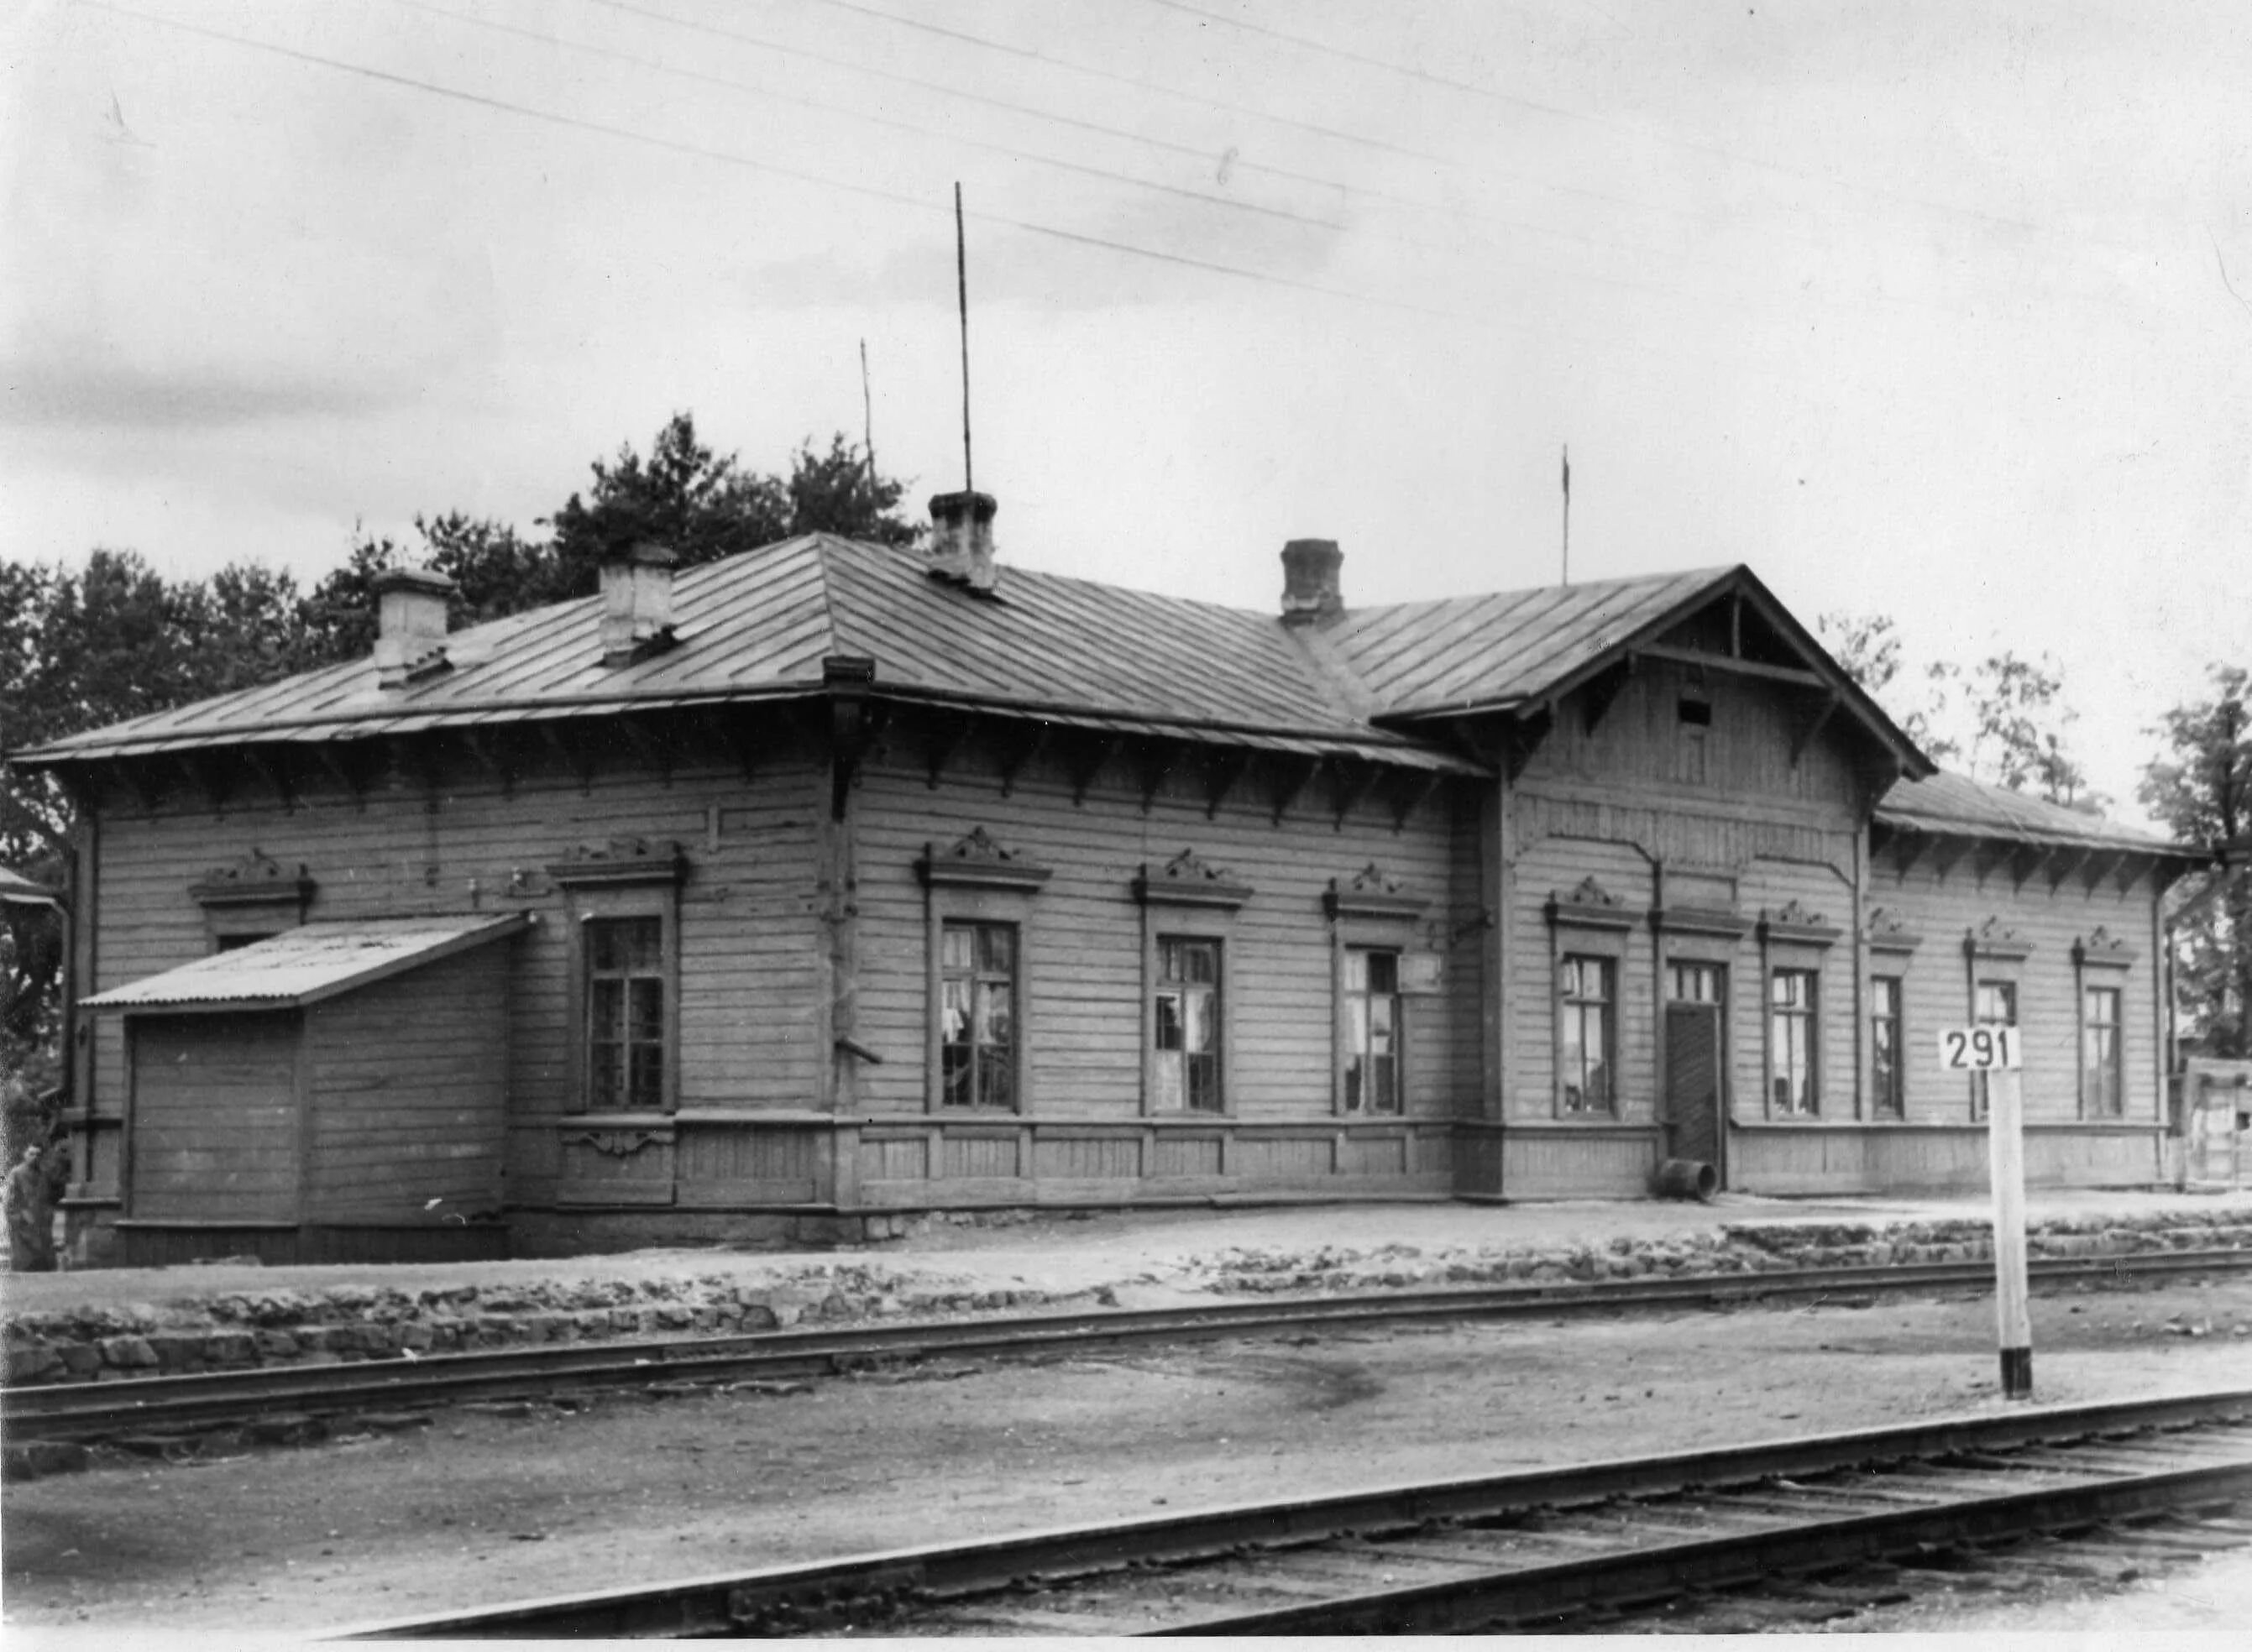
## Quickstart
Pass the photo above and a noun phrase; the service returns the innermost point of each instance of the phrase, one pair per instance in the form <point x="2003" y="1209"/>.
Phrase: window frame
<point x="2101" y="964"/>
<point x="626" y="880"/>
<point x="1794" y="941"/>
<point x="1589" y="922"/>
<point x="1370" y="912"/>
<point x="1888" y="1102"/>
<point x="1787" y="1020"/>
<point x="978" y="974"/>
<point x="1994" y="954"/>
<point x="1568" y="964"/>
<point x="591" y="1032"/>
<point x="1188" y="900"/>
<point x="977" y="881"/>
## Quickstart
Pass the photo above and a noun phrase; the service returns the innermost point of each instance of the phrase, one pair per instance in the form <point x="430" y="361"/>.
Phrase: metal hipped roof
<point x="1955" y="805"/>
<point x="307" y="964"/>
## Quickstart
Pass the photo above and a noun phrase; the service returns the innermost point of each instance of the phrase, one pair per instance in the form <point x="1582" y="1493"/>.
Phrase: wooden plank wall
<point x="747" y="925"/>
<point x="216" y="1123"/>
<point x="401" y="1121"/>
<point x="1084" y="942"/>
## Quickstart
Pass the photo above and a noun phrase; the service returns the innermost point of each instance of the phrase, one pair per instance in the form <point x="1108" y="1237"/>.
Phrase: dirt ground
<point x="480" y="1507"/>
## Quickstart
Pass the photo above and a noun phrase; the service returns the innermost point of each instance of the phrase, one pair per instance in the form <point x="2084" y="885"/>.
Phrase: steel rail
<point x="774" y="1600"/>
<point x="66" y="1411"/>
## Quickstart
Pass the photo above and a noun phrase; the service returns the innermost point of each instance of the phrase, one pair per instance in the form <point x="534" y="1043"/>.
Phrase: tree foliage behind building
<point x="2201" y="787"/>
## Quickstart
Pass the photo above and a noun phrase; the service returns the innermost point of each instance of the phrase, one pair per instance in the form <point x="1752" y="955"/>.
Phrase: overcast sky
<point x="1942" y="310"/>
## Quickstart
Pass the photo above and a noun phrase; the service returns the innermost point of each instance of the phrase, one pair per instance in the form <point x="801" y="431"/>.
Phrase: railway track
<point x="1806" y="1527"/>
<point x="163" y="1405"/>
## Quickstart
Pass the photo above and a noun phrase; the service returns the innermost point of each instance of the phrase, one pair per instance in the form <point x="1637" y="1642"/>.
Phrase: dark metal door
<point x="1692" y="1082"/>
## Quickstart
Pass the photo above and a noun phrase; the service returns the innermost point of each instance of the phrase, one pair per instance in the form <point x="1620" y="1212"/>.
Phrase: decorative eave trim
<point x="1590" y="906"/>
<point x="1794" y="926"/>
<point x="1995" y="939"/>
<point x="2100" y="948"/>
<point x="1701" y="920"/>
<point x="1888" y="934"/>
<point x="622" y="860"/>
<point x="254" y="881"/>
<point x="976" y="862"/>
<point x="1371" y="894"/>
<point x="1186" y="880"/>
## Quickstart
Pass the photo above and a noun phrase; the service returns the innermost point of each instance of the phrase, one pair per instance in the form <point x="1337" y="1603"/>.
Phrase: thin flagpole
<point x="962" y="291"/>
<point x="1568" y="513"/>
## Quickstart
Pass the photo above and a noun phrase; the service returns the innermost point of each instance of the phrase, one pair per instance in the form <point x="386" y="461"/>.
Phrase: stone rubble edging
<point x="242" y="1330"/>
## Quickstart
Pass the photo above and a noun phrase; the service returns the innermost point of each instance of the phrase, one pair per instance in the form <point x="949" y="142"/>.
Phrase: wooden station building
<point x="832" y="881"/>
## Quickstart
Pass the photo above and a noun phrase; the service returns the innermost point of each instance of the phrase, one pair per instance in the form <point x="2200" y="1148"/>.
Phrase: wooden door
<point x="215" y="1122"/>
<point x="1693" y="1083"/>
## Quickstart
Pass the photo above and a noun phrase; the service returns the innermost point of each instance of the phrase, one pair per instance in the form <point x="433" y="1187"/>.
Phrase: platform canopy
<point x="308" y="963"/>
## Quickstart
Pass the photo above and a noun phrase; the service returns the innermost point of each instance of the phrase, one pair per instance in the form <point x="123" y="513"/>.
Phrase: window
<point x="1186" y="1027"/>
<point x="1585" y="1048"/>
<point x="1993" y="1003"/>
<point x="1694" y="982"/>
<point x="1790" y="1041"/>
<point x="2101" y="1094"/>
<point x="1887" y="1077"/>
<point x="625" y="1014"/>
<point x="978" y="1015"/>
<point x="1372" y="1056"/>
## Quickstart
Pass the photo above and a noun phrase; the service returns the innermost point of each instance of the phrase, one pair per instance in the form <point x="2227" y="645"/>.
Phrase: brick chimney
<point x="637" y="603"/>
<point x="962" y="540"/>
<point x="1310" y="581"/>
<point x="410" y="625"/>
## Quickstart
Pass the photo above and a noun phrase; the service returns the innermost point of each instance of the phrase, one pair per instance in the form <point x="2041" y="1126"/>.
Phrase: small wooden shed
<point x="336" y="1092"/>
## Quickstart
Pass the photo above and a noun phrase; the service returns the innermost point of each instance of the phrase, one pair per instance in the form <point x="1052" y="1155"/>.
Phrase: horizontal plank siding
<point x="215" y="1118"/>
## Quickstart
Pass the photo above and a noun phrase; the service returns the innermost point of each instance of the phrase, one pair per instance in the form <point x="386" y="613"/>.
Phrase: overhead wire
<point x="774" y="169"/>
<point x="1562" y="112"/>
<point x="1453" y="212"/>
<point x="1490" y="259"/>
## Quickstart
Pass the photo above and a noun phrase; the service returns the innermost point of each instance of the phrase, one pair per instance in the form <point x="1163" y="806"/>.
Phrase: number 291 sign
<point x="1980" y="1049"/>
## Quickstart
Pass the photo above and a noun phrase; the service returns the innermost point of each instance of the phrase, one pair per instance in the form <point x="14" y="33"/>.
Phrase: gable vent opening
<point x="1696" y="711"/>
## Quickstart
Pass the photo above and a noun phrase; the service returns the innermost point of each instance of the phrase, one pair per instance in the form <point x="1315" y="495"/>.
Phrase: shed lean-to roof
<point x="1957" y="806"/>
<point x="304" y="965"/>
<point x="16" y="890"/>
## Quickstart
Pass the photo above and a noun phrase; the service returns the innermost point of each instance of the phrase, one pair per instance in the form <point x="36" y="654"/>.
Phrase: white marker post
<point x="1994" y="1051"/>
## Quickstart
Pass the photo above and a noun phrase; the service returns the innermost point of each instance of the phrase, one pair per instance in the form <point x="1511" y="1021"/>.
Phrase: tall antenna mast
<point x="1568" y="513"/>
<point x="962" y="289"/>
<point x="867" y="419"/>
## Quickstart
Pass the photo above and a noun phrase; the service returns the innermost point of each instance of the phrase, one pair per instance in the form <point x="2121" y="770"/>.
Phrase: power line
<point x="1560" y="112"/>
<point x="730" y="158"/>
<point x="1190" y="150"/>
<point x="1625" y="283"/>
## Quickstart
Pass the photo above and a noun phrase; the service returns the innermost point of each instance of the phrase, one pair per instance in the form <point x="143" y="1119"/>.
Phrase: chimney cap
<point x="646" y="553"/>
<point x="979" y="507"/>
<point x="429" y="581"/>
<point x="1311" y="592"/>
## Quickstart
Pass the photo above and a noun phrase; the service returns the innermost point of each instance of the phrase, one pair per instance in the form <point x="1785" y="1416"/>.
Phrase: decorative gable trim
<point x="1590" y="906"/>
<point x="622" y="860"/>
<point x="1188" y="880"/>
<point x="976" y="861"/>
<point x="1995" y="939"/>
<point x="1795" y="925"/>
<point x="2101" y="949"/>
<point x="1371" y="893"/>
<point x="1888" y="933"/>
<point x="256" y="879"/>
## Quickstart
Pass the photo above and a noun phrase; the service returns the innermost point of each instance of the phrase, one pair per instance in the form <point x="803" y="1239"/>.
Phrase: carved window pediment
<point x="256" y="879"/>
<point x="1995" y="939"/>
<point x="1704" y="921"/>
<point x="1888" y="933"/>
<point x="2101" y="949"/>
<point x="1794" y="923"/>
<point x="1590" y="905"/>
<point x="622" y="860"/>
<point x="1188" y="880"/>
<point x="1371" y="893"/>
<point x="975" y="860"/>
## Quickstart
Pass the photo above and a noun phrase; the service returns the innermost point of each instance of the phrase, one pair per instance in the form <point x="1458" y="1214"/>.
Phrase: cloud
<point x="49" y="391"/>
